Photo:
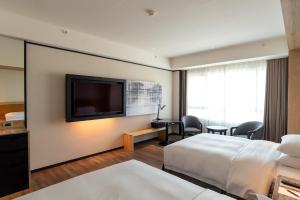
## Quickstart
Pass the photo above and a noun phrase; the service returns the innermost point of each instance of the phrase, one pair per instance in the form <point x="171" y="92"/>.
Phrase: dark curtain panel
<point x="275" y="116"/>
<point x="182" y="93"/>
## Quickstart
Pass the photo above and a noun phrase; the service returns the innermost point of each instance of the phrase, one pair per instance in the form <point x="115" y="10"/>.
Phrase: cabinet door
<point x="14" y="172"/>
<point x="14" y="142"/>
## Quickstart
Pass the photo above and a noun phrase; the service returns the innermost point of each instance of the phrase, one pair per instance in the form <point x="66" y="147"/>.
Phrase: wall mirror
<point x="12" y="90"/>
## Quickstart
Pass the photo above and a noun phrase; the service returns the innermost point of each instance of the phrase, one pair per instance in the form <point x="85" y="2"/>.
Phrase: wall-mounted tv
<point x="90" y="98"/>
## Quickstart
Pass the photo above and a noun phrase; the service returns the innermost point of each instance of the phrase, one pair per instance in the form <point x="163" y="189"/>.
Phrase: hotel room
<point x="158" y="100"/>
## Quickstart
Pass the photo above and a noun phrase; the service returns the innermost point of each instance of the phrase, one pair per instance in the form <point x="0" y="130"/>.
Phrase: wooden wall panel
<point x="10" y="107"/>
<point x="294" y="92"/>
<point x="291" y="15"/>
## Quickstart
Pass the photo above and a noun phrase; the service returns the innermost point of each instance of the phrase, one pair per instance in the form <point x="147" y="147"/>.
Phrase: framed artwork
<point x="143" y="97"/>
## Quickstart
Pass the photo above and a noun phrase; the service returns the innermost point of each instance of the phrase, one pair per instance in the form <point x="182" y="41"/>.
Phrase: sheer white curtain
<point x="227" y="94"/>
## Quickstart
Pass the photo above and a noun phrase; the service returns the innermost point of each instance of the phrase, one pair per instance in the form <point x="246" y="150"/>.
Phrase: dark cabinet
<point x="14" y="167"/>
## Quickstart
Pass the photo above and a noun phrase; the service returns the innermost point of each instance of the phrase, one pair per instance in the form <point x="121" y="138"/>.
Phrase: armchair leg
<point x="181" y="126"/>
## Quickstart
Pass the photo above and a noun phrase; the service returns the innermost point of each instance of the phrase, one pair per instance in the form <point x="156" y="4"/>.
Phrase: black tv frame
<point x="69" y="98"/>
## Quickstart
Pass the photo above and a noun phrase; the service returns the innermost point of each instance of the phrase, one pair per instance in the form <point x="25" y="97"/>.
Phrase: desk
<point x="167" y="123"/>
<point x="215" y="129"/>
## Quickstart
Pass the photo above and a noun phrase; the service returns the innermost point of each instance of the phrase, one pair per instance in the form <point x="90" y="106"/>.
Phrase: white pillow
<point x="290" y="145"/>
<point x="289" y="161"/>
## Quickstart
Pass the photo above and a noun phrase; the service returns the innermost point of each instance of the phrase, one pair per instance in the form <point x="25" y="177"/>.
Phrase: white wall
<point x="33" y="30"/>
<point x="11" y="52"/>
<point x="265" y="49"/>
<point x="52" y="140"/>
<point x="11" y="85"/>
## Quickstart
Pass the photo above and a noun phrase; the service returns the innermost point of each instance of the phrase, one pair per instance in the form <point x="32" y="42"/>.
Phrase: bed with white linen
<point x="14" y="116"/>
<point x="131" y="180"/>
<point x="236" y="165"/>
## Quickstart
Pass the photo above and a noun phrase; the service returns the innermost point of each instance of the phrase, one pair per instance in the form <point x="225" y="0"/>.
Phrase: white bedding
<point x="131" y="180"/>
<point x="14" y="116"/>
<point x="239" y="166"/>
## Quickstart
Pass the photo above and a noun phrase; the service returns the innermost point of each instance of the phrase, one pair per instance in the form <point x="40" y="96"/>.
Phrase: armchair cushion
<point x="192" y="130"/>
<point x="242" y="136"/>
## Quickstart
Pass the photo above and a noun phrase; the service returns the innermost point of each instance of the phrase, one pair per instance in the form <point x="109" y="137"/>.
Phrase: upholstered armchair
<point x="252" y="130"/>
<point x="191" y="125"/>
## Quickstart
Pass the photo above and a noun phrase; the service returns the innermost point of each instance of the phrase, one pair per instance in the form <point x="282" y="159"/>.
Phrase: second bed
<point x="238" y="166"/>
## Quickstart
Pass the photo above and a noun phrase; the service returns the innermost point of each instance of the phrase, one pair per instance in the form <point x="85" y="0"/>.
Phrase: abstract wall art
<point x="143" y="97"/>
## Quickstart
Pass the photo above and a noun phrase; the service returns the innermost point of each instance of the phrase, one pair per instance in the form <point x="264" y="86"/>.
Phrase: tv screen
<point x="94" y="97"/>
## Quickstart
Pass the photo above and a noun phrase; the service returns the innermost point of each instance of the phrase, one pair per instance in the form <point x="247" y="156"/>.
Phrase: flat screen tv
<point x="90" y="98"/>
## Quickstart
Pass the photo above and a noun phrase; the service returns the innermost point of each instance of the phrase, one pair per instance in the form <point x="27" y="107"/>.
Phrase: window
<point x="227" y="94"/>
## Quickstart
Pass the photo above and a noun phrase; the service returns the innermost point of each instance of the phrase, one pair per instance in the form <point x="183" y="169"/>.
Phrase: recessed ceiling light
<point x="64" y="31"/>
<point x="151" y="12"/>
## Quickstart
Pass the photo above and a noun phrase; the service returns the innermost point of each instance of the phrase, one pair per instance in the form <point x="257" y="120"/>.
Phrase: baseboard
<point x="73" y="160"/>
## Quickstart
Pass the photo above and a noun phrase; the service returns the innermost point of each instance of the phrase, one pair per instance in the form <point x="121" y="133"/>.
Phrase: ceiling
<point x="179" y="26"/>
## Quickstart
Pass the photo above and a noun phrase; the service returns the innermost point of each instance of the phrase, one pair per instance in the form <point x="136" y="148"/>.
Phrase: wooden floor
<point x="148" y="152"/>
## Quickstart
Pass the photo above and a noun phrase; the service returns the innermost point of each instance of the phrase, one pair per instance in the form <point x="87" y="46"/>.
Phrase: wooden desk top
<point x="145" y="131"/>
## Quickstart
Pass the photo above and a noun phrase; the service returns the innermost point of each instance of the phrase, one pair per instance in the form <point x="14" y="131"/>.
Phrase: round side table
<point x="217" y="129"/>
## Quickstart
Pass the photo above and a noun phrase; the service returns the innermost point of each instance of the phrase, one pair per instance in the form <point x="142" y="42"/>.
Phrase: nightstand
<point x="287" y="186"/>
